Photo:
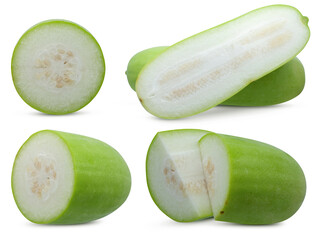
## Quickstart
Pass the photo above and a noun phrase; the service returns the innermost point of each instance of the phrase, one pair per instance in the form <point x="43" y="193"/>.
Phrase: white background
<point x="302" y="127"/>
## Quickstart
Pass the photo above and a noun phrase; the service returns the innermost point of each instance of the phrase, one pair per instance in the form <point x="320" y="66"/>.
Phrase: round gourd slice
<point x="175" y="177"/>
<point x="57" y="67"/>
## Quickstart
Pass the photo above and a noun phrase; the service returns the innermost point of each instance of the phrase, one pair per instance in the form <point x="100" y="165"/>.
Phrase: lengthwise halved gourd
<point x="63" y="178"/>
<point x="281" y="85"/>
<point x="208" y="68"/>
<point x="194" y="174"/>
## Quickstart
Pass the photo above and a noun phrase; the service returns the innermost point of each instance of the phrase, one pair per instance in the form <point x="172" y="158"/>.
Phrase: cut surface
<point x="204" y="70"/>
<point x="138" y="61"/>
<point x="216" y="169"/>
<point x="57" y="67"/>
<point x="43" y="177"/>
<point x="175" y="177"/>
<point x="279" y="86"/>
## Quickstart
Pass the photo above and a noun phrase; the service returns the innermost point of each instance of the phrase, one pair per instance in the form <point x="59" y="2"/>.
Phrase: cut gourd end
<point x="57" y="67"/>
<point x="174" y="175"/>
<point x="64" y="178"/>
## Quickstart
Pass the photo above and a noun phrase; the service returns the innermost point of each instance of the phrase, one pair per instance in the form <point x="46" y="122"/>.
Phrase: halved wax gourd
<point x="175" y="177"/>
<point x="281" y="85"/>
<point x="57" y="67"/>
<point x="206" y="69"/>
<point x="250" y="182"/>
<point x="195" y="174"/>
<point x="63" y="178"/>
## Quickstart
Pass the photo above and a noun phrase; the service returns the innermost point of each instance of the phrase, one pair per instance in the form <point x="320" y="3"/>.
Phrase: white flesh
<point x="206" y="69"/>
<point x="57" y="68"/>
<point x="216" y="169"/>
<point x="175" y="176"/>
<point x="43" y="177"/>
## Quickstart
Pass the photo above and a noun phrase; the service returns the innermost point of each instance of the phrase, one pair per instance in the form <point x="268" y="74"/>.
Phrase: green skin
<point x="102" y="180"/>
<point x="138" y="61"/>
<point x="14" y="66"/>
<point x="266" y="184"/>
<point x="281" y="85"/>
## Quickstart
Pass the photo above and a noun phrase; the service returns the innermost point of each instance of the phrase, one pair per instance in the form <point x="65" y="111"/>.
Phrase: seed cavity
<point x="210" y="167"/>
<point x="42" y="176"/>
<point x="279" y="40"/>
<point x="210" y="77"/>
<point x="212" y="67"/>
<point x="262" y="32"/>
<point x="191" y="185"/>
<point x="209" y="170"/>
<point x="220" y="72"/>
<point x="189" y="89"/>
<point x="57" y="67"/>
<point x="179" y="71"/>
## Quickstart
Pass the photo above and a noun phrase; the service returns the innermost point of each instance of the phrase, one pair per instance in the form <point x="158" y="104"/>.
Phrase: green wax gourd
<point x="195" y="174"/>
<point x="63" y="178"/>
<point x="208" y="68"/>
<point x="57" y="67"/>
<point x="261" y="184"/>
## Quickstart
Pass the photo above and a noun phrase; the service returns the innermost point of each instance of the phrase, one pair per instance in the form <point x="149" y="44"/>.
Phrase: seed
<point x="46" y="63"/>
<point x="37" y="164"/>
<point x="47" y="74"/>
<point x="57" y="57"/>
<point x="70" y="53"/>
<point x="59" y="85"/>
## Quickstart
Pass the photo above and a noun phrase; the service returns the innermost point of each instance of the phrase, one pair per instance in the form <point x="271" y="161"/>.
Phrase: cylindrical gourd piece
<point x="281" y="85"/>
<point x="250" y="182"/>
<point x="195" y="174"/>
<point x="63" y="178"/>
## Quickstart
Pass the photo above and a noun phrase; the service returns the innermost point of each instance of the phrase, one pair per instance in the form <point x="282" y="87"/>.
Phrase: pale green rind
<point x="281" y="85"/>
<point x="304" y="21"/>
<point x="138" y="61"/>
<point x="266" y="184"/>
<point x="102" y="180"/>
<point x="165" y="210"/>
<point x="13" y="65"/>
